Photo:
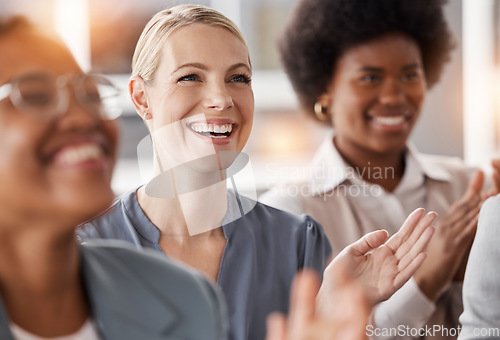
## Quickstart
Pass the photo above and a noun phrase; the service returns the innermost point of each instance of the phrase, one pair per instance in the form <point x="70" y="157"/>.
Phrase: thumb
<point x="369" y="242"/>
<point x="475" y="185"/>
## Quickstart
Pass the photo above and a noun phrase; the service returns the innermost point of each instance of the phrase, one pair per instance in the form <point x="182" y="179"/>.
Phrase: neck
<point x="40" y="279"/>
<point x="186" y="213"/>
<point x="383" y="168"/>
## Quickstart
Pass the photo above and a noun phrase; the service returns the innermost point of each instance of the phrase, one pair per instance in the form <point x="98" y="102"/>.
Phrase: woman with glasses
<point x="191" y="85"/>
<point x="58" y="148"/>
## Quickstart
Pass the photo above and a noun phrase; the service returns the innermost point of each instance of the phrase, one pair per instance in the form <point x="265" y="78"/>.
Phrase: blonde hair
<point x="158" y="29"/>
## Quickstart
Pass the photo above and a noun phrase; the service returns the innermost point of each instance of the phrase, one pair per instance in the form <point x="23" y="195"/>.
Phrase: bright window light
<point x="72" y="24"/>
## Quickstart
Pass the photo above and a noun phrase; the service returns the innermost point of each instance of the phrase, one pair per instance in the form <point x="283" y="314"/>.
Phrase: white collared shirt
<point x="348" y="207"/>
<point x="88" y="331"/>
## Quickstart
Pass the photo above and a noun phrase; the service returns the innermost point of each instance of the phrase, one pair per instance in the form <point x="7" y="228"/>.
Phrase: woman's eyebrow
<point x="411" y="66"/>
<point x="195" y="65"/>
<point x="371" y="69"/>
<point x="238" y="65"/>
<point x="204" y="67"/>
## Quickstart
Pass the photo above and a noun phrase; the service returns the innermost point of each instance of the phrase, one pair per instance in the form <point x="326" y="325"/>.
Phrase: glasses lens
<point x="100" y="95"/>
<point x="35" y="94"/>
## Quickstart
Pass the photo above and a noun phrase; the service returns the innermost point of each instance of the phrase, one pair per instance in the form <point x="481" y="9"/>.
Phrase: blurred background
<point x="460" y="118"/>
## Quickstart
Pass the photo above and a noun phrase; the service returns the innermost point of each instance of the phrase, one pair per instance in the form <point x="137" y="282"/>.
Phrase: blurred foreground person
<point x="58" y="148"/>
<point x="481" y="316"/>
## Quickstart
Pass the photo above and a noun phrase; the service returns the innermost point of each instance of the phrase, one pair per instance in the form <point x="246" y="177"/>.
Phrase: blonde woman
<point x="191" y="85"/>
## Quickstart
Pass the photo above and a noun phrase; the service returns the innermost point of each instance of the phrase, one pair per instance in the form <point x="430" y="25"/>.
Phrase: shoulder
<point x="283" y="197"/>
<point x="118" y="261"/>
<point x="120" y="256"/>
<point x="286" y="235"/>
<point x="453" y="166"/>
<point x="489" y="218"/>
<point x="284" y="227"/>
<point x="481" y="290"/>
<point x="272" y="216"/>
<point x="152" y="283"/>
<point x="103" y="224"/>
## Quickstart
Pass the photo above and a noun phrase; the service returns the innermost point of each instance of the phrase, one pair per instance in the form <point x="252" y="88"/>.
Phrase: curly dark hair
<point x="319" y="32"/>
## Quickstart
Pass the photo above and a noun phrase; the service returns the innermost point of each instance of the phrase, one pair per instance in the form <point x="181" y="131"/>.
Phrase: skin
<point x="384" y="77"/>
<point x="44" y="199"/>
<point x="380" y="78"/>
<point x="304" y="322"/>
<point x="203" y="76"/>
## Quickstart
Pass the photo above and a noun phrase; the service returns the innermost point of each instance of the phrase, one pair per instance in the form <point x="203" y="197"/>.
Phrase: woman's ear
<point x="322" y="108"/>
<point x="325" y="100"/>
<point x="137" y="88"/>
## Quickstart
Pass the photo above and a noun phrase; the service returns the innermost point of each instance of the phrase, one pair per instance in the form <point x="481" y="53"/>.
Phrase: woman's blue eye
<point x="241" y="78"/>
<point x="189" y="77"/>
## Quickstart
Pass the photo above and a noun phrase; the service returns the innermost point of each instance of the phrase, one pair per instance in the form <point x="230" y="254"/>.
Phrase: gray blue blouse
<point x="264" y="250"/>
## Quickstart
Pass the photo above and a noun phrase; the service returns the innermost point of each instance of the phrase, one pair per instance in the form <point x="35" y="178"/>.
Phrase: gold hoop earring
<point x="321" y="112"/>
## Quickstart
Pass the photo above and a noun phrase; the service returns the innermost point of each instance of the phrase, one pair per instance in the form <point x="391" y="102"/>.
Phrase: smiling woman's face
<point x="376" y="94"/>
<point x="59" y="168"/>
<point x="201" y="100"/>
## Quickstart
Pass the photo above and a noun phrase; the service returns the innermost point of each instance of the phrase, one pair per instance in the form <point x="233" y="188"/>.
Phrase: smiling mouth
<point x="212" y="130"/>
<point x="81" y="153"/>
<point x="86" y="153"/>
<point x="390" y="121"/>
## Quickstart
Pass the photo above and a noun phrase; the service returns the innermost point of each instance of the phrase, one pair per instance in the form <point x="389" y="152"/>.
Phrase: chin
<point x="85" y="204"/>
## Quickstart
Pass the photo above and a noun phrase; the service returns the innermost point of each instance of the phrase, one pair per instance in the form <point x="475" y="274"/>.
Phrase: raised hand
<point x="448" y="250"/>
<point x="381" y="267"/>
<point x="347" y="321"/>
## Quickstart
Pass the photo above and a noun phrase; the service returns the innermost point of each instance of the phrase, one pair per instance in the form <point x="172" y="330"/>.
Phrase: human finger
<point x="305" y="287"/>
<point x="404" y="247"/>
<point x="475" y="185"/>
<point x="276" y="327"/>
<point x="459" y="210"/>
<point x="467" y="234"/>
<point x="461" y="225"/>
<point x="416" y="249"/>
<point x="368" y="242"/>
<point x="406" y="229"/>
<point x="408" y="272"/>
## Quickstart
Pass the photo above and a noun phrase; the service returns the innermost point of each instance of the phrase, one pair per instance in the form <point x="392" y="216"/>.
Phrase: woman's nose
<point x="392" y="93"/>
<point x="76" y="115"/>
<point x="218" y="97"/>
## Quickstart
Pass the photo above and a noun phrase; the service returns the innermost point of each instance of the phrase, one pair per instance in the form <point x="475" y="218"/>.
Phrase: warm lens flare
<point x="71" y="21"/>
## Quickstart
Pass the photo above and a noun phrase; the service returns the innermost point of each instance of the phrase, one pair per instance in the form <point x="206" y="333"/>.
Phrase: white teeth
<point x="205" y="128"/>
<point x="81" y="153"/>
<point x="396" y="120"/>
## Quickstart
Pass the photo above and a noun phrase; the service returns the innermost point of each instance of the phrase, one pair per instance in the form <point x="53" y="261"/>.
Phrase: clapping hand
<point x="381" y="267"/>
<point x="448" y="250"/>
<point x="347" y="321"/>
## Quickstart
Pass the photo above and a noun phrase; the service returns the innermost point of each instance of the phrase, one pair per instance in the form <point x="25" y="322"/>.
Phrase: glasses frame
<point x="61" y="105"/>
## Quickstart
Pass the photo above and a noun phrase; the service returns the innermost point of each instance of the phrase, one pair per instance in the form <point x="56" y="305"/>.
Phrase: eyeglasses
<point x="47" y="96"/>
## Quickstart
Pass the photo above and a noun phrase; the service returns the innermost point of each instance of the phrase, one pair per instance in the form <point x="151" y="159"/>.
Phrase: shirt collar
<point x="430" y="168"/>
<point x="329" y="169"/>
